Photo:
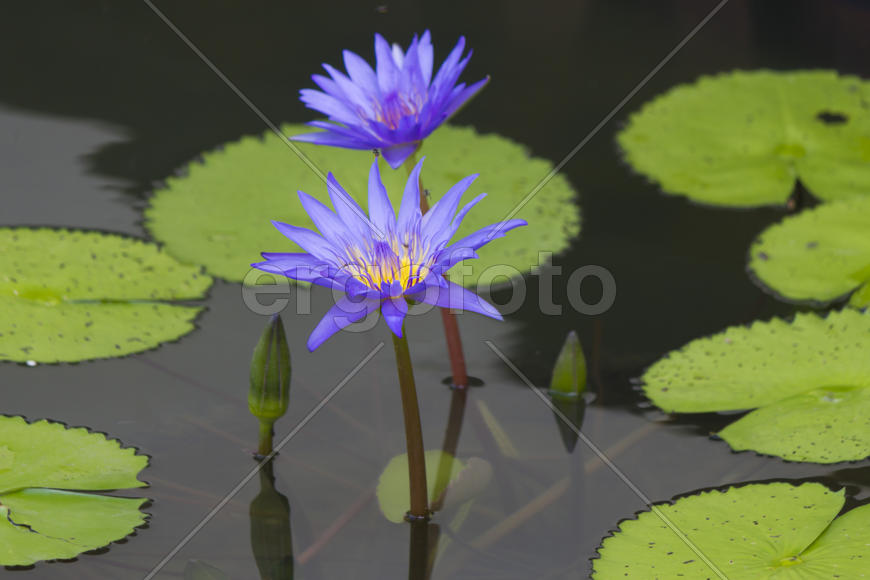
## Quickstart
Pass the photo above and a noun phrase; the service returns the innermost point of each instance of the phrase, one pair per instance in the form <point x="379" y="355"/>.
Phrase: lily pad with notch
<point x="819" y="255"/>
<point x="744" y="138"/>
<point x="70" y="295"/>
<point x="218" y="212"/>
<point x="807" y="380"/>
<point x="44" y="469"/>
<point x="753" y="532"/>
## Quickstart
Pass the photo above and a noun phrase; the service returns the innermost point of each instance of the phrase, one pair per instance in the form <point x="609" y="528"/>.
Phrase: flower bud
<point x="566" y="390"/>
<point x="270" y="373"/>
<point x="569" y="372"/>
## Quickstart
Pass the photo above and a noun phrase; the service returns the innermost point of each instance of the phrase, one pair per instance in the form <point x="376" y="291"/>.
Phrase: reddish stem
<point x="451" y="327"/>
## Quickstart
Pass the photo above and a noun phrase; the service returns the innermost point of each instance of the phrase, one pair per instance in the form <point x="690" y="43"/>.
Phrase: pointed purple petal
<point x="485" y="235"/>
<point x="309" y="241"/>
<point x="409" y="210"/>
<point x="343" y="314"/>
<point x="394" y="311"/>
<point x="385" y="68"/>
<point x="397" y="154"/>
<point x="439" y="216"/>
<point x="426" y="57"/>
<point x="330" y="106"/>
<point x="381" y="211"/>
<point x="456" y="297"/>
<point x="361" y="73"/>
<point x="332" y="139"/>
<point x="458" y="101"/>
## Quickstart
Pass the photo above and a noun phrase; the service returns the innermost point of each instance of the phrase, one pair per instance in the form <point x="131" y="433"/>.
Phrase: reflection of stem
<point x="451" y="441"/>
<point x="413" y="429"/>
<point x="418" y="557"/>
<point x="451" y="328"/>
<point x="336" y="526"/>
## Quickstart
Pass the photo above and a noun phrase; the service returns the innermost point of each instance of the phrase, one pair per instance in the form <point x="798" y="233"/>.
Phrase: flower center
<point x="396" y="106"/>
<point x="390" y="262"/>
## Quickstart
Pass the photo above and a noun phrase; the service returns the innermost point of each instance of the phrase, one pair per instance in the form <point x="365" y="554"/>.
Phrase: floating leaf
<point x="42" y="524"/>
<point x="69" y="295"/>
<point x="394" y="494"/>
<point x="742" y="139"/>
<point x="754" y="532"/>
<point x="818" y="255"/>
<point x="822" y="425"/>
<point x="219" y="213"/>
<point x="797" y="373"/>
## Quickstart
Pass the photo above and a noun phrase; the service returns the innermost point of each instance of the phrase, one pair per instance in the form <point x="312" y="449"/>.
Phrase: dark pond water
<point x="100" y="99"/>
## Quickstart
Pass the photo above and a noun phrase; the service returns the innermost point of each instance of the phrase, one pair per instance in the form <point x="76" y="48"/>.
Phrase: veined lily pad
<point x="69" y="295"/>
<point x="818" y="255"/>
<point x="809" y="381"/>
<point x="742" y="139"/>
<point x="219" y="213"/>
<point x="41" y="523"/>
<point x="754" y="532"/>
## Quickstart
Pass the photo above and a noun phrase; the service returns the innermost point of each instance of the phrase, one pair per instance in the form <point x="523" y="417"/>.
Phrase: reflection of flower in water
<point x="394" y="106"/>
<point x="381" y="260"/>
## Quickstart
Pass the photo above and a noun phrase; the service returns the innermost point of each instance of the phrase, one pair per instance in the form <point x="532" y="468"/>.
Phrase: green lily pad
<point x="809" y="380"/>
<point x="754" y="532"/>
<point x="744" y="138"/>
<point x="394" y="494"/>
<point x="823" y="425"/>
<point x="219" y="213"/>
<point x="40" y="523"/>
<point x="69" y="295"/>
<point x="818" y="255"/>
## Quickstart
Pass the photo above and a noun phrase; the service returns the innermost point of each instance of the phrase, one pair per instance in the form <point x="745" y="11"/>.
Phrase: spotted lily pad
<point x="41" y="518"/>
<point x="755" y="532"/>
<point x="818" y="255"/>
<point x="808" y="381"/>
<point x="218" y="214"/>
<point x="744" y="138"/>
<point x="69" y="295"/>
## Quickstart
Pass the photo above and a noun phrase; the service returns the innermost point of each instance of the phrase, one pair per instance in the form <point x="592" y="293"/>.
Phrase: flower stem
<point x="451" y="327"/>
<point x="413" y="431"/>
<point x="265" y="446"/>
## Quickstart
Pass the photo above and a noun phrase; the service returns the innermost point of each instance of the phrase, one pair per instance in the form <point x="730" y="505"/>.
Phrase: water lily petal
<point x="344" y="313"/>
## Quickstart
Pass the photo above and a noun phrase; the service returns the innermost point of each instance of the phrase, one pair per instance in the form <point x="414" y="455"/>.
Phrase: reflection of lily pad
<point x="73" y="295"/>
<point x="393" y="492"/>
<point x="39" y="523"/>
<point x="218" y="214"/>
<point x="809" y="381"/>
<point x="742" y="139"/>
<point x="817" y="255"/>
<point x="754" y="532"/>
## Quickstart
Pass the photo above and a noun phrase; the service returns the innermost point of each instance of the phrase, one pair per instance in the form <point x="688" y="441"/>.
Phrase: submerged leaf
<point x="39" y="523"/>
<point x="754" y="532"/>
<point x="744" y="138"/>
<point x="69" y="296"/>
<point x="787" y="369"/>
<point x="394" y="495"/>
<point x="818" y="255"/>
<point x="219" y="214"/>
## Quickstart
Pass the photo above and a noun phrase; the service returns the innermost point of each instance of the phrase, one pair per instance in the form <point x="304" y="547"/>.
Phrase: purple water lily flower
<point x="392" y="108"/>
<point x="379" y="260"/>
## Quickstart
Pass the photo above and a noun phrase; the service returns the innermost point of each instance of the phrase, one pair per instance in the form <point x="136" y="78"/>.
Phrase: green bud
<point x="569" y="372"/>
<point x="270" y="373"/>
